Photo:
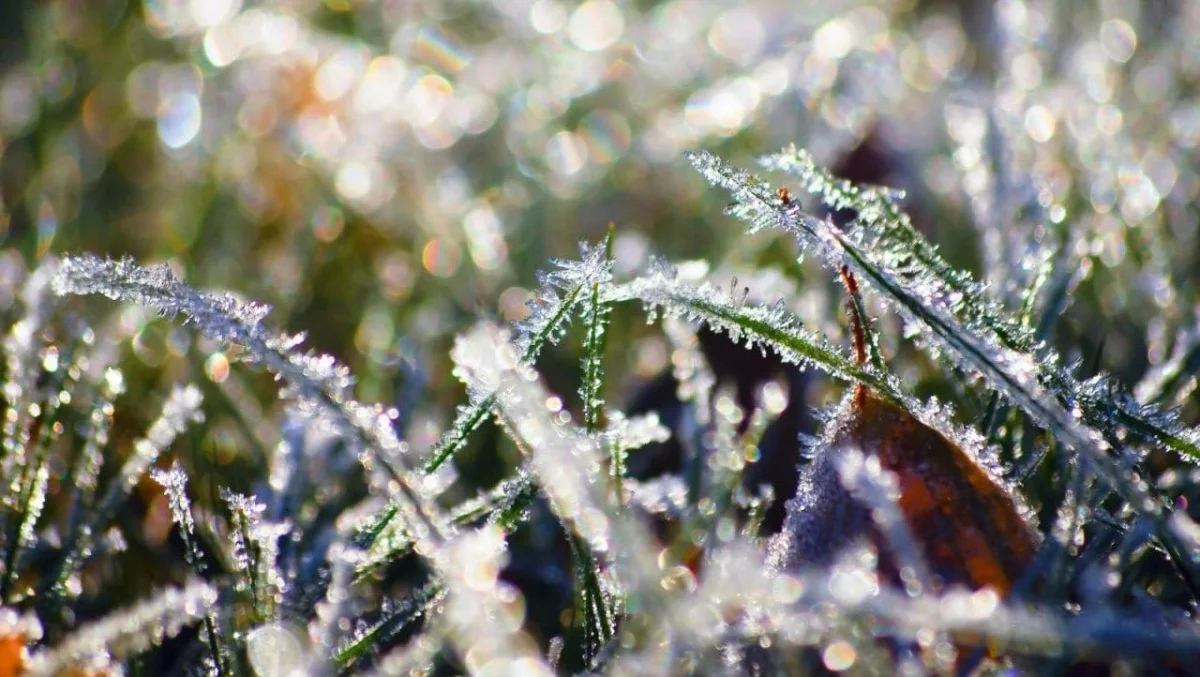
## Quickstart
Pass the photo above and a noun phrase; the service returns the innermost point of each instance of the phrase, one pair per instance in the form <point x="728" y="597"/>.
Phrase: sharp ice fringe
<point x="396" y="616"/>
<point x="629" y="434"/>
<point x="550" y="311"/>
<point x="771" y="326"/>
<point x="666" y="496"/>
<point x="550" y="314"/>
<point x="174" y="483"/>
<point x="595" y="319"/>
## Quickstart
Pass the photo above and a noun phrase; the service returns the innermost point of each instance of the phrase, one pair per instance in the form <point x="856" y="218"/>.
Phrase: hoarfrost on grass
<point x="754" y="326"/>
<point x="566" y="462"/>
<point x="255" y="550"/>
<point x="1048" y="140"/>
<point x="124" y="633"/>
<point x="550" y="314"/>
<point x="21" y="347"/>
<point x="318" y="384"/>
<point x="928" y="297"/>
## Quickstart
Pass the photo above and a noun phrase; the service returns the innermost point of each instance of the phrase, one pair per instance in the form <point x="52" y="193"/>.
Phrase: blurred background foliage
<point x="384" y="173"/>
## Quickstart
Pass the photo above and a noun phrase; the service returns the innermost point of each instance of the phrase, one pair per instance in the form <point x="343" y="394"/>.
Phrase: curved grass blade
<point x="318" y="384"/>
<point x="773" y="327"/>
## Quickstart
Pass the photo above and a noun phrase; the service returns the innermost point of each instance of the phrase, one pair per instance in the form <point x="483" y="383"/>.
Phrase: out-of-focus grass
<point x="386" y="174"/>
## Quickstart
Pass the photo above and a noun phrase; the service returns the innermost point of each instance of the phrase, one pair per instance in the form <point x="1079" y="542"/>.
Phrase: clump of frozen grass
<point x="665" y="574"/>
<point x="1074" y="165"/>
<point x="316" y="383"/>
<point x="884" y="248"/>
<point x="174" y="482"/>
<point x="20" y="353"/>
<point x="622" y="584"/>
<point x="568" y="464"/>
<point x="43" y="566"/>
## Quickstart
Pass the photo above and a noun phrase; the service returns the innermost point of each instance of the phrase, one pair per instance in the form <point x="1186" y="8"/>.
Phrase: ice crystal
<point x="559" y="292"/>
<point x="666" y="495"/>
<point x="632" y="433"/>
<point x="174" y="483"/>
<point x="28" y="485"/>
<point x="595" y="318"/>
<point x="550" y="313"/>
<point x="850" y="486"/>
<point x="764" y="327"/>
<point x="823" y="519"/>
<point x="395" y="617"/>
<point x="1065" y="134"/>
<point x="486" y="360"/>
<point x="490" y="503"/>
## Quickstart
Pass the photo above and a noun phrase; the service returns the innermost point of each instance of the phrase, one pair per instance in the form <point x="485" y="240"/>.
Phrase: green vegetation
<point x="388" y="445"/>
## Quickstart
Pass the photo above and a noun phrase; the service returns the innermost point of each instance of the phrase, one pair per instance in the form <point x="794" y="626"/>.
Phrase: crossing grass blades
<point x="1029" y="531"/>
